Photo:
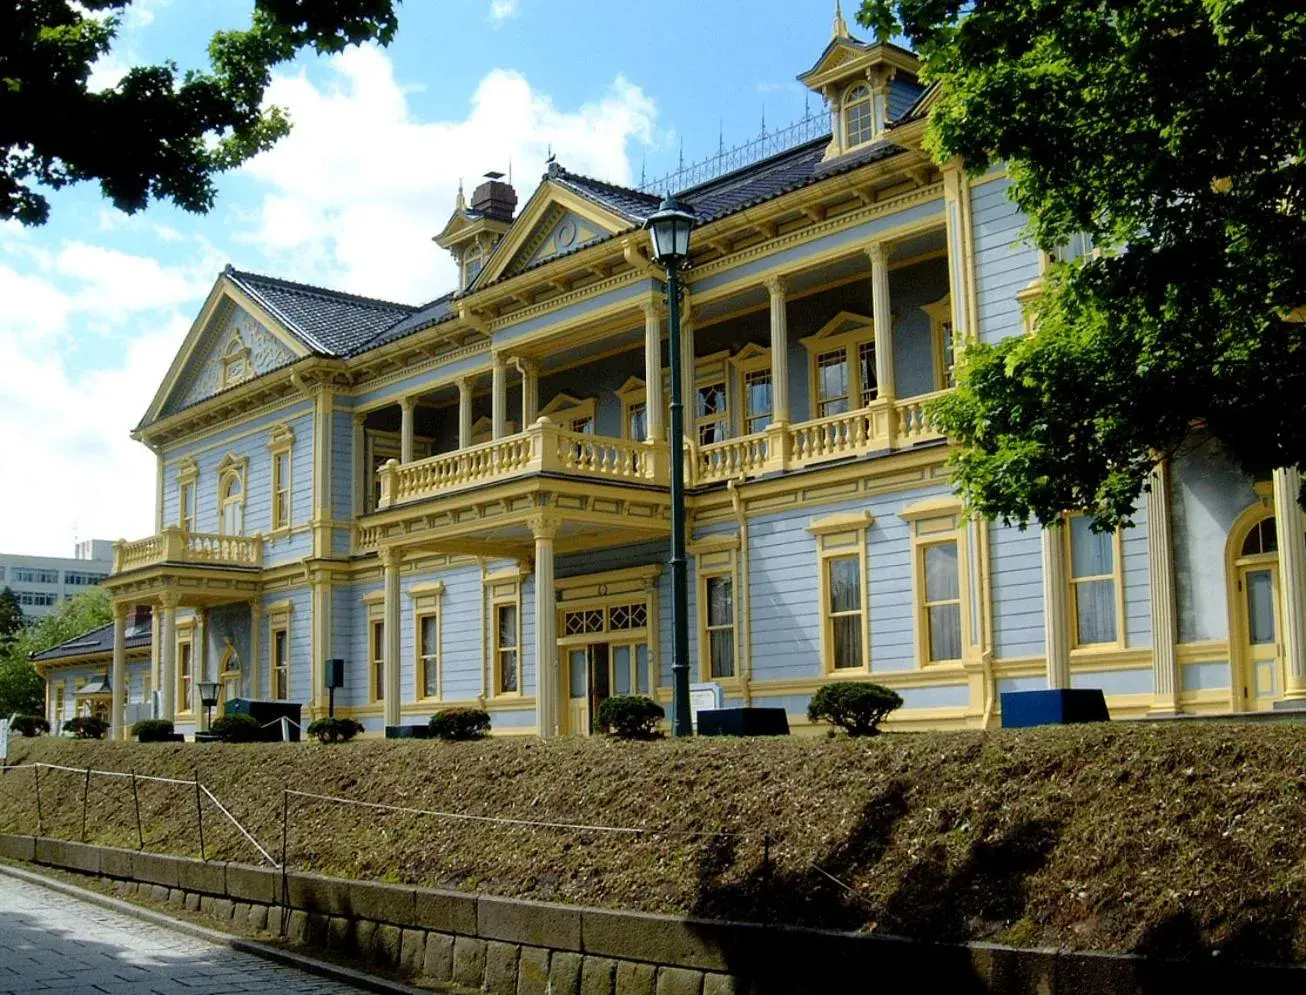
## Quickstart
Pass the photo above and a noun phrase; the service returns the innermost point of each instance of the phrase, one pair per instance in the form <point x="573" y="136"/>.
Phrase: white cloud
<point x="503" y="10"/>
<point x="359" y="213"/>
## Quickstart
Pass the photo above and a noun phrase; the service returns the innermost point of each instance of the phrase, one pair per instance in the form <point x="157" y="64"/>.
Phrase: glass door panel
<point x="578" y="713"/>
<point x="599" y="684"/>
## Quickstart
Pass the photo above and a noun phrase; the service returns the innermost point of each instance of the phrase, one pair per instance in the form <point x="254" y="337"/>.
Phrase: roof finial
<point x="840" y="27"/>
<point x="721" y="136"/>
<point x="643" y="171"/>
<point x="509" y="170"/>
<point x="764" y="120"/>
<point x="682" y="152"/>
<point x="461" y="203"/>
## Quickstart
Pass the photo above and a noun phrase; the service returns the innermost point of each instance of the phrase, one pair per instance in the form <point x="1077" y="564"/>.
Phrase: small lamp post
<point x="209" y="691"/>
<point x="670" y="226"/>
<point x="335" y="678"/>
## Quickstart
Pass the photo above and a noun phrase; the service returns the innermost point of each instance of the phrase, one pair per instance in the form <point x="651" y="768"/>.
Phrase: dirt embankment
<point x="1174" y="840"/>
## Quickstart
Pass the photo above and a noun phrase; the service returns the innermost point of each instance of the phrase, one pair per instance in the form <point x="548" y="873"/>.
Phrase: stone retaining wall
<point x="511" y="947"/>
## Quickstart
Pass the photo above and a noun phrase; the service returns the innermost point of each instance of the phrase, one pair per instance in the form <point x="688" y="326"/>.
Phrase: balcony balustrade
<point x="173" y="545"/>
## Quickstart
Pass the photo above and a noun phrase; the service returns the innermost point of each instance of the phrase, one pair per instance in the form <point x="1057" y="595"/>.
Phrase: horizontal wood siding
<point x="1004" y="265"/>
<point x="1016" y="563"/>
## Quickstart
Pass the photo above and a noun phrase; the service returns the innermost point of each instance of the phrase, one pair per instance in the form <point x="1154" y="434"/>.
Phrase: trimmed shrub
<point x="153" y="731"/>
<point x="334" y="730"/>
<point x="29" y="725"/>
<point x="630" y="716"/>
<point x="87" y="727"/>
<point x="460" y="724"/>
<point x="236" y="729"/>
<point x="857" y="707"/>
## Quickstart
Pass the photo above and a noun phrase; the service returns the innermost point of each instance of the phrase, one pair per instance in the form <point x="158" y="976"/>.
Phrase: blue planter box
<point x="743" y="722"/>
<point x="1021" y="709"/>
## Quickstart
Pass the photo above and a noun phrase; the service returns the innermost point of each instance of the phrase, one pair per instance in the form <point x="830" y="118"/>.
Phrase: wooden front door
<point x="1262" y="644"/>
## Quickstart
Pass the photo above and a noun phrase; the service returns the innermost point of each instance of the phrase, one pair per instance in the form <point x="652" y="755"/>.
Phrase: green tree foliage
<point x="22" y="689"/>
<point x="1173" y="134"/>
<point x="11" y="618"/>
<point x="159" y="133"/>
<point x="857" y="707"/>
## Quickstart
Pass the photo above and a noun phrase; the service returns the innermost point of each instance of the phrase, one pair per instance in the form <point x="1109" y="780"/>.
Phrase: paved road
<point x="51" y="942"/>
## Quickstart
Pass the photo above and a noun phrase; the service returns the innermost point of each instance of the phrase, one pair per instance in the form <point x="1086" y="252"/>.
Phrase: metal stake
<point x="136" y="802"/>
<point x="40" y="821"/>
<point x="86" y="798"/>
<point x="199" y="814"/>
<point x="285" y="838"/>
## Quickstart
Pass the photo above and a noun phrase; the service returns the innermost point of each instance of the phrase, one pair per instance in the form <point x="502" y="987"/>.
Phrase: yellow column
<point x="200" y="667"/>
<point x="882" y="314"/>
<point x="168" y="654"/>
<point x="654" y="406"/>
<point x="1292" y="579"/>
<point x="547" y="683"/>
<point x="118" y="678"/>
<point x="320" y="638"/>
<point x="530" y="390"/>
<point x="499" y="397"/>
<point x="961" y="282"/>
<point x="1160" y="568"/>
<point x="255" y="644"/>
<point x="1056" y="621"/>
<point x="465" y="385"/>
<point x="323" y="406"/>
<point x="391" y="559"/>
<point x="362" y="472"/>
<point x="406" y="405"/>
<point x="777" y="287"/>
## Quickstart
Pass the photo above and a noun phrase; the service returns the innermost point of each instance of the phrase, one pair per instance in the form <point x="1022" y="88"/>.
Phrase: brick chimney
<point x="495" y="199"/>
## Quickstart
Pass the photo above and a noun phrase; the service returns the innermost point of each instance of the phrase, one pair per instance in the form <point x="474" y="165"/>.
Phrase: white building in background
<point x="41" y="582"/>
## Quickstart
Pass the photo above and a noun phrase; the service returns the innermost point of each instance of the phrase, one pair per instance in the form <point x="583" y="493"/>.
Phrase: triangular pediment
<point x="233" y="340"/>
<point x="554" y="221"/>
<point x="843" y="323"/>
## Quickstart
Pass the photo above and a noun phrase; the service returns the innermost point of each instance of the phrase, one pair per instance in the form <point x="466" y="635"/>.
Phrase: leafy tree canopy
<point x="22" y="689"/>
<point x="11" y="617"/>
<point x="158" y="133"/>
<point x="1173" y="134"/>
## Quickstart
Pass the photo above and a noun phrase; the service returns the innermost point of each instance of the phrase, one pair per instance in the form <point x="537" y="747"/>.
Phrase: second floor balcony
<point x="182" y="548"/>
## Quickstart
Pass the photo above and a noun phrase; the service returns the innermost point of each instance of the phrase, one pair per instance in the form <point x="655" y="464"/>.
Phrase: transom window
<point x="1263" y="538"/>
<point x="858" y="119"/>
<point x="1094" y="580"/>
<point x="632" y="616"/>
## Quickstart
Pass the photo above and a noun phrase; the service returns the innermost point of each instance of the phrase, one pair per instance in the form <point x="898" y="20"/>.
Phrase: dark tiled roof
<point x="630" y="204"/>
<point x="330" y="323"/>
<point x="99" y="640"/>
<point x="437" y="311"/>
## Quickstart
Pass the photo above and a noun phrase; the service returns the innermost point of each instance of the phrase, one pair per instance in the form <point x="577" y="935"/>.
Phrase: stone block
<point x="597" y="976"/>
<point x="654" y="939"/>
<point x="192" y="901"/>
<point x="253" y="884"/>
<point x="500" y="968"/>
<point x="315" y="893"/>
<point x="176" y="898"/>
<point x="257" y="918"/>
<point x="679" y="981"/>
<point x="533" y="971"/>
<point x="208" y="877"/>
<point x="156" y="868"/>
<point x="412" y="951"/>
<point x="222" y="908"/>
<point x="80" y="857"/>
<point x="387" y="944"/>
<point x="276" y="920"/>
<point x="364" y="935"/>
<point x="297" y="927"/>
<point x="537" y="924"/>
<point x="468" y="961"/>
<point x="17" y="847"/>
<point x="437" y="963"/>
<point x="999" y="968"/>
<point x="239" y="912"/>
<point x="444" y="911"/>
<point x="390" y="903"/>
<point x="564" y="973"/>
<point x="340" y="934"/>
<point x="721" y="984"/>
<point x="116" y="863"/>
<point x="635" y="979"/>
<point x="158" y="893"/>
<point x="121" y="888"/>
<point x="1120" y="974"/>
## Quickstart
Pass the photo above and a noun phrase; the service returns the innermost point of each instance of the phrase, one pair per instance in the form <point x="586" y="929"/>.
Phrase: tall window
<point x="186" y="507"/>
<point x="280" y="664"/>
<point x="941" y="602"/>
<point x="712" y="412"/>
<point x="231" y="501"/>
<point x="185" y="675"/>
<point x="867" y="386"/>
<point x="377" y="659"/>
<point x="1094" y="577"/>
<point x="844" y="612"/>
<point x="507" y="658"/>
<point x="281" y="489"/>
<point x="757" y="400"/>
<point x="832" y="383"/>
<point x="720" y="625"/>
<point x="842" y="364"/>
<point x="637" y="422"/>
<point x="428" y="641"/>
<point x="858" y="120"/>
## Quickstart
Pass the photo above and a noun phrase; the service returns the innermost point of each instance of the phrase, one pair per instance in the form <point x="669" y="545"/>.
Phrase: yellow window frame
<point x="1117" y="578"/>
<point x="185" y="668"/>
<point x="632" y="394"/>
<point x="709" y="370"/>
<point x="427" y="606"/>
<point x="187" y="477"/>
<point x="570" y="412"/>
<point x="839" y="537"/>
<point x="505" y="591"/>
<point x="934" y="522"/>
<point x="749" y="361"/>
<point x="943" y="339"/>
<point x="278" y="624"/>
<point x="281" y="444"/>
<point x="830" y="339"/>
<point x="716" y="557"/>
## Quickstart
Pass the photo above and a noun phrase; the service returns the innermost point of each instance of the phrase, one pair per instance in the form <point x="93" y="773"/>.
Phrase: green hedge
<point x="153" y="730"/>
<point x="331" y="730"/>
<point x="630" y="716"/>
<point x="237" y="729"/>
<point x="87" y="727"/>
<point x="460" y="724"/>
<point x="857" y="707"/>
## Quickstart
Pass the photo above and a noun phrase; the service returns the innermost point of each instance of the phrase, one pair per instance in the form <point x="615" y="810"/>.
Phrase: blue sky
<point x="94" y="305"/>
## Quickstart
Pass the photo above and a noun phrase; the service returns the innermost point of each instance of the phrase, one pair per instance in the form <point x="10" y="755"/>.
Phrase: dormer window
<point x="858" y="118"/>
<point x="473" y="262"/>
<point x="235" y="362"/>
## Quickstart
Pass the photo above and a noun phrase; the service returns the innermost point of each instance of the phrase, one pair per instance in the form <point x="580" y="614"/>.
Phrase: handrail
<point x="175" y="545"/>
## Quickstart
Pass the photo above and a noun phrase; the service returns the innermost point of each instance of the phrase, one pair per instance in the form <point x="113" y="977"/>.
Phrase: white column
<point x="546" y="631"/>
<point x="530" y="391"/>
<point x="1160" y="568"/>
<point x="1292" y="579"/>
<point x="118" y="677"/>
<point x="406" y="405"/>
<point x="1056" y="621"/>
<point x="499" y="398"/>
<point x="777" y="286"/>
<point x="654" y="408"/>
<point x="465" y="385"/>
<point x="882" y="314"/>
<point x="168" y="654"/>
<point x="688" y="376"/>
<point x="391" y="558"/>
<point x="200" y="667"/>
<point x="255" y="645"/>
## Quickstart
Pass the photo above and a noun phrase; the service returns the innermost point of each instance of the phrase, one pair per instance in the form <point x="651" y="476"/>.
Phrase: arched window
<point x="858" y="120"/>
<point x="1263" y="538"/>
<point x="231" y="501"/>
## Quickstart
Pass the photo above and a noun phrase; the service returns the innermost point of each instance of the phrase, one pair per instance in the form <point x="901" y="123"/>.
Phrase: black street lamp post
<point x="209" y="692"/>
<point x="670" y="227"/>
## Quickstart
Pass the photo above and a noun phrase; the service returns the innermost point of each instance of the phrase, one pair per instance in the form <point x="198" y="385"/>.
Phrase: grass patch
<point x="1165" y="839"/>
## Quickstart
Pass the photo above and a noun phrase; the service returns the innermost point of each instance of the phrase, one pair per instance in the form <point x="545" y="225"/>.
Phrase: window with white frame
<point x="231" y="496"/>
<point x="279" y="650"/>
<point x="858" y="116"/>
